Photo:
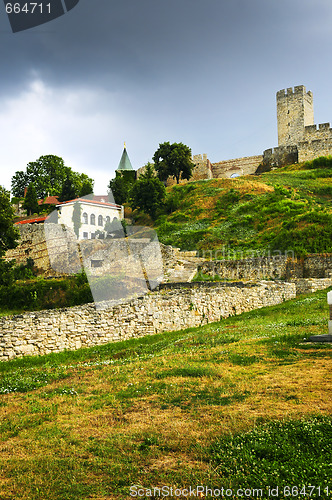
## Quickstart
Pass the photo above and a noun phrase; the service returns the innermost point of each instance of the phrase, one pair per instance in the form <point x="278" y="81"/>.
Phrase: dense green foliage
<point x="48" y="174"/>
<point x="10" y="272"/>
<point x="41" y="293"/>
<point x="86" y="189"/>
<point x="173" y="160"/>
<point x="9" y="235"/>
<point x="68" y="191"/>
<point x="148" y="192"/>
<point x="288" y="209"/>
<point x="121" y="185"/>
<point x="30" y="203"/>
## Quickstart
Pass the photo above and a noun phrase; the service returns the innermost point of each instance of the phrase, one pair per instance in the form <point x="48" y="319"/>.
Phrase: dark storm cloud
<point x="139" y="41"/>
<point x="201" y="72"/>
<point x="145" y="43"/>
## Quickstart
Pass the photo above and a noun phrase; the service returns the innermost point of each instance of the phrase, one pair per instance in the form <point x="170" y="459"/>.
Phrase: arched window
<point x="108" y="219"/>
<point x="100" y="220"/>
<point x="93" y="219"/>
<point x="85" y="218"/>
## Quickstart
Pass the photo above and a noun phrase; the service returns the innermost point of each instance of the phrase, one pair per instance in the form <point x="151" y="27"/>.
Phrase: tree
<point x="76" y="218"/>
<point x="30" y="203"/>
<point x="173" y="160"/>
<point x="8" y="233"/>
<point x="80" y="180"/>
<point x="148" y="192"/>
<point x="19" y="183"/>
<point x="48" y="174"/>
<point x="120" y="189"/>
<point x="68" y="191"/>
<point x="86" y="189"/>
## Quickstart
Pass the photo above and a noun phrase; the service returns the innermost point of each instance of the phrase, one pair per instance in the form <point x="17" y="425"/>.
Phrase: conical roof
<point x="125" y="163"/>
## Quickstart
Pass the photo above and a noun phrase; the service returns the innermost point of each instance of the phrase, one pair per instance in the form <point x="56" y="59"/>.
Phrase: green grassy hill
<point x="243" y="403"/>
<point x="285" y="209"/>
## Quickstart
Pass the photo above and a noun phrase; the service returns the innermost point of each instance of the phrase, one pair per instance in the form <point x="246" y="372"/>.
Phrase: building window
<point x="100" y="220"/>
<point x="93" y="219"/>
<point x="108" y="219"/>
<point x="85" y="236"/>
<point x="85" y="218"/>
<point x="93" y="236"/>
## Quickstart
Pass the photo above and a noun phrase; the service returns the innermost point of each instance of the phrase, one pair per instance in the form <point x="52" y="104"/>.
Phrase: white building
<point x="94" y="215"/>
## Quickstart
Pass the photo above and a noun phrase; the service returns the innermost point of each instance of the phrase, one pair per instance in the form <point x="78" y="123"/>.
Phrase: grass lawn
<point x="243" y="403"/>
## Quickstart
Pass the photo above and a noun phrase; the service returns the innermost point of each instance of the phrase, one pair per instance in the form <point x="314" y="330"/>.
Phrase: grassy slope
<point x="286" y="209"/>
<point x="173" y="409"/>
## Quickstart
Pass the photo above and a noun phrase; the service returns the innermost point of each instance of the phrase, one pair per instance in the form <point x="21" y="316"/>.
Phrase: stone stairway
<point x="183" y="267"/>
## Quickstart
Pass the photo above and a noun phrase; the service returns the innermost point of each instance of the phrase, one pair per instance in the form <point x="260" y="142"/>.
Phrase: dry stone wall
<point x="170" y="308"/>
<point x="311" y="285"/>
<point x="32" y="244"/>
<point x="277" y="267"/>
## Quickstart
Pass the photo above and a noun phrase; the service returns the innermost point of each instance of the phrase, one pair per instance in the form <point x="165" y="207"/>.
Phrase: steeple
<point x="125" y="163"/>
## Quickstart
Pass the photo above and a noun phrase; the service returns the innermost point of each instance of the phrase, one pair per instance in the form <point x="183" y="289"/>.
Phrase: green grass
<point x="241" y="403"/>
<point x="288" y="209"/>
<point x="284" y="453"/>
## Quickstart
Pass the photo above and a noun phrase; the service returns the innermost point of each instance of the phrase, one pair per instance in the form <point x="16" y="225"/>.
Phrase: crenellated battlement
<point x="200" y="158"/>
<point x="298" y="90"/>
<point x="312" y="133"/>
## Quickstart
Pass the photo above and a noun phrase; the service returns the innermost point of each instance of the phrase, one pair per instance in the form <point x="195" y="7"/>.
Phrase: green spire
<point x="124" y="162"/>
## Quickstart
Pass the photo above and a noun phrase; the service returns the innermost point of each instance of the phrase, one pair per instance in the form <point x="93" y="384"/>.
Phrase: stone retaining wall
<point x="277" y="267"/>
<point x="311" y="285"/>
<point x="170" y="308"/>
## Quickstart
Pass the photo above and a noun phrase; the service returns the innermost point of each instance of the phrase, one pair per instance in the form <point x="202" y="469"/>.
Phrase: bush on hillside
<point x="320" y="162"/>
<point x="45" y="293"/>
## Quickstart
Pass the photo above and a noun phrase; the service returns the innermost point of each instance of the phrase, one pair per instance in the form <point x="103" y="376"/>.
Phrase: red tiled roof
<point x="49" y="200"/>
<point x="31" y="221"/>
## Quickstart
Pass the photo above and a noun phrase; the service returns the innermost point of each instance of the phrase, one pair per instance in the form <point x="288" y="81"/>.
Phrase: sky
<point x="204" y="73"/>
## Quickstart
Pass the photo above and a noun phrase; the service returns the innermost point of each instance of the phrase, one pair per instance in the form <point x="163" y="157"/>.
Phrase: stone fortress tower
<point x="299" y="139"/>
<point x="295" y="110"/>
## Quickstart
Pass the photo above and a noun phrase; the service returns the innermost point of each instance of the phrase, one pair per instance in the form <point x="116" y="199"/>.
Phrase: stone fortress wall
<point x="170" y="308"/>
<point x="309" y="274"/>
<point x="299" y="139"/>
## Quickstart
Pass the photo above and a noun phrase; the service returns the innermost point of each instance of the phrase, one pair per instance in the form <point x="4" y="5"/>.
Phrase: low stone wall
<point x="311" y="285"/>
<point x="170" y="308"/>
<point x="274" y="267"/>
